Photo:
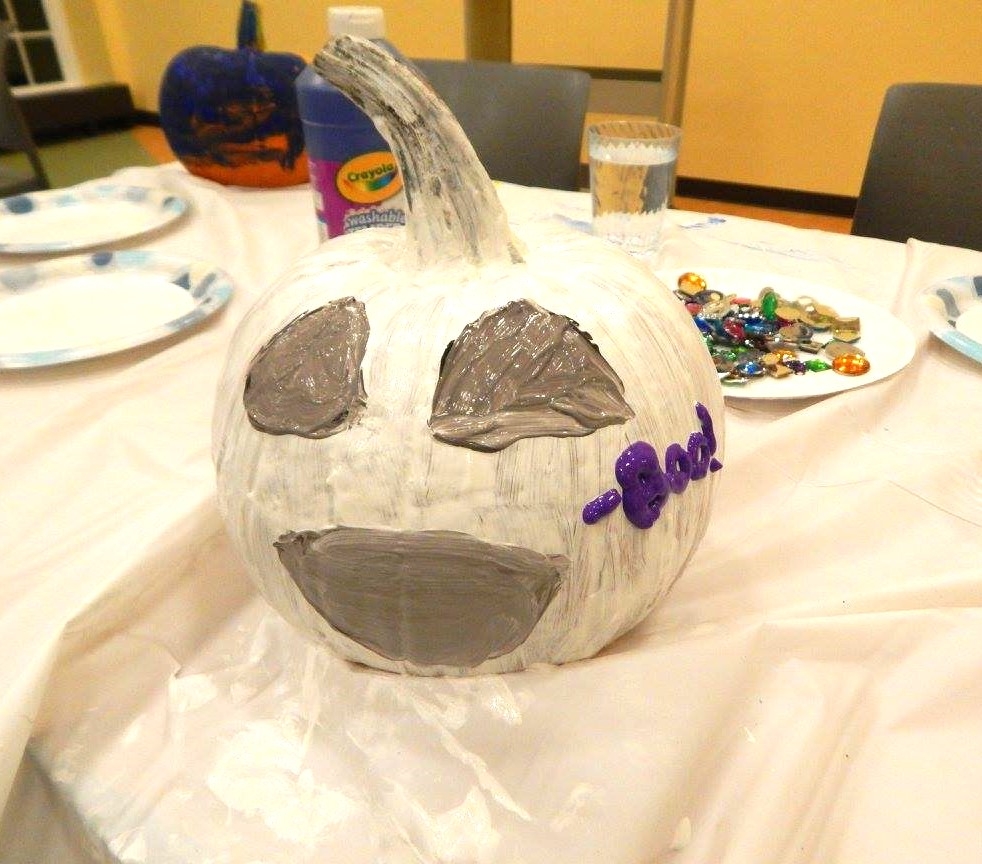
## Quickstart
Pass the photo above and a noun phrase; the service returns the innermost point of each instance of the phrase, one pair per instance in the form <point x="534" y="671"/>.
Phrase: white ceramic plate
<point x="83" y="306"/>
<point x="886" y="341"/>
<point x="80" y="217"/>
<point x="953" y="311"/>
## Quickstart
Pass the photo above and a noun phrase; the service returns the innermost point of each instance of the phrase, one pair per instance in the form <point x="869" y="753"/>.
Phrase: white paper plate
<point x="886" y="341"/>
<point x="68" y="309"/>
<point x="79" y="217"/>
<point x="953" y="311"/>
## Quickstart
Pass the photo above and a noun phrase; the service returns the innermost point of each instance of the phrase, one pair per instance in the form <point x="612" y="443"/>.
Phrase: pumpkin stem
<point x="453" y="209"/>
<point x="249" y="32"/>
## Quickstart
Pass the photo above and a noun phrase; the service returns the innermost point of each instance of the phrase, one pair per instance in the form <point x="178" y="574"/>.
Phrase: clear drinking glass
<point x="632" y="172"/>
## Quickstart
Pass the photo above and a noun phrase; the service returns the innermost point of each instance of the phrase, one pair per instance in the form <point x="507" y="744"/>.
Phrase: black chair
<point x="15" y="136"/>
<point x="525" y="122"/>
<point x="924" y="173"/>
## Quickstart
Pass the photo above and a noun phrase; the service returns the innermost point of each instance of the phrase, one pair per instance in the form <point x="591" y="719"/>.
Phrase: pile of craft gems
<point x="772" y="335"/>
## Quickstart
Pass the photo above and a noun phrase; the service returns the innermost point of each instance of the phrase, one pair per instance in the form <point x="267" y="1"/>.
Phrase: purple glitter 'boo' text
<point x="645" y="487"/>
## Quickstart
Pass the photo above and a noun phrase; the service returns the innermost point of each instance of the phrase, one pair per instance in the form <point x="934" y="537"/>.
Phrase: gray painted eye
<point x="307" y="379"/>
<point x="520" y="372"/>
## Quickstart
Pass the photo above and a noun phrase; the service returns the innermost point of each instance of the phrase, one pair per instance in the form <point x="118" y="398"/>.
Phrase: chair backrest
<point x="525" y="122"/>
<point x="15" y="136"/>
<point x="924" y="173"/>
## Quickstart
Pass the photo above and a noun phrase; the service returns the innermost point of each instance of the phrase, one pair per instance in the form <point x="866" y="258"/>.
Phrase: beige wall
<point x="780" y="94"/>
<point x="143" y="36"/>
<point x="88" y="42"/>
<point x="786" y="94"/>
<point x="628" y="34"/>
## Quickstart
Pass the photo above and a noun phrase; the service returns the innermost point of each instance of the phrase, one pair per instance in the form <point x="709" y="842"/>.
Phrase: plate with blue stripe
<point x="953" y="311"/>
<point x="83" y="217"/>
<point x="82" y="306"/>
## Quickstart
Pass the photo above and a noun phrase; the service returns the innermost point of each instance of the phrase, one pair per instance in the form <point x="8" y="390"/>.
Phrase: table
<point x="808" y="691"/>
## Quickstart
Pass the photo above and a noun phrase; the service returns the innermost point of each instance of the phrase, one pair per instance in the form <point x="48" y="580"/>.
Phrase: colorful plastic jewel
<point x="735" y="328"/>
<point x="759" y="327"/>
<point x="778" y="355"/>
<point x="851" y="364"/>
<point x="836" y="348"/>
<point x="816" y="365"/>
<point x="796" y="331"/>
<point x="751" y="338"/>
<point x="707" y="296"/>
<point x="750" y="369"/>
<point x="810" y="346"/>
<point x="691" y="282"/>
<point x="778" y="370"/>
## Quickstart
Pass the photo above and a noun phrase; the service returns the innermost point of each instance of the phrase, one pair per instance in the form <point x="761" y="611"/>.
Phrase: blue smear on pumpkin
<point x="213" y="97"/>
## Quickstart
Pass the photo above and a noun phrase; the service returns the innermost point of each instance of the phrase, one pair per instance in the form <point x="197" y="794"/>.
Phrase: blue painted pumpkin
<point x="231" y="115"/>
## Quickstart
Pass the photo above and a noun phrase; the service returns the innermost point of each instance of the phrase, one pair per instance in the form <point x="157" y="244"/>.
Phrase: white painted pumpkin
<point x="468" y="552"/>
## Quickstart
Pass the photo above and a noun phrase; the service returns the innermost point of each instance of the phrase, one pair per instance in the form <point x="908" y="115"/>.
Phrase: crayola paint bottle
<point x="353" y="174"/>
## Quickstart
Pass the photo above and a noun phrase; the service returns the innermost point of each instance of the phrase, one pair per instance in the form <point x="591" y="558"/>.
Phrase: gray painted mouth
<point x="430" y="597"/>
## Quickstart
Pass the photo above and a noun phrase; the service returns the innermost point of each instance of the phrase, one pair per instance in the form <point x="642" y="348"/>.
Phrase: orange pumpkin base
<point x="245" y="169"/>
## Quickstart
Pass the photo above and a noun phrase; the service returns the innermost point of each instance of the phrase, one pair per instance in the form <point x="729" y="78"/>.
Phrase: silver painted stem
<point x="453" y="210"/>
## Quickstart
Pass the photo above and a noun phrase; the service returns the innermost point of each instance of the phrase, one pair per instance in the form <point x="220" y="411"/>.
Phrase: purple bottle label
<point x="359" y="193"/>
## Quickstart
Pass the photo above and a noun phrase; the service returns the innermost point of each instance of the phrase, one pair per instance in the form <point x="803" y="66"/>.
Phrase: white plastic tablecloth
<point x="810" y="690"/>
